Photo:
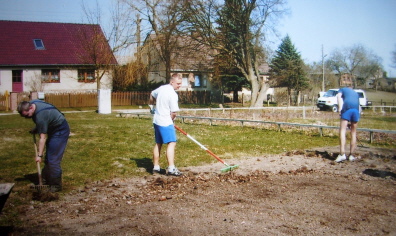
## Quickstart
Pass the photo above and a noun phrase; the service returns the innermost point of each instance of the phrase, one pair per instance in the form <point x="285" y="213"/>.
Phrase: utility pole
<point x="323" y="83"/>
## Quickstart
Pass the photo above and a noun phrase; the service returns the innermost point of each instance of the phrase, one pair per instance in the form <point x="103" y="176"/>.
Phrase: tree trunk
<point x="262" y="95"/>
<point x="298" y="98"/>
<point x="255" y="91"/>
<point x="235" y="96"/>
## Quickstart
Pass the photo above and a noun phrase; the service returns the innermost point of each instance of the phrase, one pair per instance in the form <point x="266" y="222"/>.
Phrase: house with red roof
<point x="54" y="57"/>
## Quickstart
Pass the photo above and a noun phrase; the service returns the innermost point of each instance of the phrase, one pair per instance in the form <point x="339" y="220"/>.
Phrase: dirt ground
<point x="298" y="193"/>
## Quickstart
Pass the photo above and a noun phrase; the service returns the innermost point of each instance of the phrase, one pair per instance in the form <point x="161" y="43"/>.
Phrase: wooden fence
<point x="91" y="99"/>
<point x="129" y="98"/>
<point x="64" y="100"/>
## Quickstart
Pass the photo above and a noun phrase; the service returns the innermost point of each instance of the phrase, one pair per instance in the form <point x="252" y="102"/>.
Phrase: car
<point x="328" y="100"/>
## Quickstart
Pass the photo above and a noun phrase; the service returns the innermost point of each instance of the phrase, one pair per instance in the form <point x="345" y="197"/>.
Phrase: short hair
<point x="23" y="106"/>
<point x="175" y="76"/>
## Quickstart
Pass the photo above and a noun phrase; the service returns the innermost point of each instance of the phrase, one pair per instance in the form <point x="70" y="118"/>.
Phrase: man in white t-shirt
<point x="166" y="100"/>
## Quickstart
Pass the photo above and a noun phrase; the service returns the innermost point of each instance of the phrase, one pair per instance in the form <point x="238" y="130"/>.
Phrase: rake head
<point x="40" y="188"/>
<point x="229" y="168"/>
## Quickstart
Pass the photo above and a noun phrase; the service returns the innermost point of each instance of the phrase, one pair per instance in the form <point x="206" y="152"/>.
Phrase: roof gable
<point x="63" y="44"/>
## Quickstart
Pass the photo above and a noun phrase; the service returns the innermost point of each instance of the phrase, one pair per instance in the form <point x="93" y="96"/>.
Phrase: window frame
<point x="203" y="83"/>
<point x="86" y="72"/>
<point x="17" y="74"/>
<point x="36" y="44"/>
<point x="47" y="75"/>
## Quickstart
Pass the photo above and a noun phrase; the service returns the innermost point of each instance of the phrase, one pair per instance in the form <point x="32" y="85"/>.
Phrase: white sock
<point x="156" y="167"/>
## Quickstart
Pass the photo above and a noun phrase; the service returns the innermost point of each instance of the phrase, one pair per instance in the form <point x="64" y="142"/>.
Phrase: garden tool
<point x="40" y="186"/>
<point x="228" y="168"/>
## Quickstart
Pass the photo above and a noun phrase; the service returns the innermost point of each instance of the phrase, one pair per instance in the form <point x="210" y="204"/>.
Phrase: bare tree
<point x="36" y="83"/>
<point x="237" y="28"/>
<point x="165" y="19"/>
<point x="118" y="35"/>
<point x="373" y="69"/>
<point x="394" y="58"/>
<point x="353" y="60"/>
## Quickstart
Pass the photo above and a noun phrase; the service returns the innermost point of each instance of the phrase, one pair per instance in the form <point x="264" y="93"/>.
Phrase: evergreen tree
<point x="287" y="69"/>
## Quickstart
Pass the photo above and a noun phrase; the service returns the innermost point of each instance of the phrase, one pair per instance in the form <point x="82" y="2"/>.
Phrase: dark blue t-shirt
<point x="46" y="117"/>
<point x="350" y="98"/>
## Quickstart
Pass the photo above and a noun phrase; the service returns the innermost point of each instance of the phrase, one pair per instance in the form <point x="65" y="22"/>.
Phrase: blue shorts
<point x="164" y="134"/>
<point x="351" y="115"/>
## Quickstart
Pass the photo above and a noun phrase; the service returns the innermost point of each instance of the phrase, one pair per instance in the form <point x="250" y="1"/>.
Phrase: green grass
<point x="105" y="146"/>
<point x="377" y="96"/>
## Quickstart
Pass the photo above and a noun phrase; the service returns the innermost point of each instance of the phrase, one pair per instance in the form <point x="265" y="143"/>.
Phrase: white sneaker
<point x="340" y="158"/>
<point x="174" y="172"/>
<point x="351" y="158"/>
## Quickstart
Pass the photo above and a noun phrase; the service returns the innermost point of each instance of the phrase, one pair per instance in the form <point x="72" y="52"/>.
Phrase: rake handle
<point x="199" y="144"/>
<point x="37" y="163"/>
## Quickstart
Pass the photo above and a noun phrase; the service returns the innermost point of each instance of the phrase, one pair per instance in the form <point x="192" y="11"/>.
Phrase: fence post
<point x="13" y="101"/>
<point x="7" y="103"/>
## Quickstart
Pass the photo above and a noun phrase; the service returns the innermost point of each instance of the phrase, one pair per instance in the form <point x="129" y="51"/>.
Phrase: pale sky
<point x="339" y="24"/>
<point x="311" y="24"/>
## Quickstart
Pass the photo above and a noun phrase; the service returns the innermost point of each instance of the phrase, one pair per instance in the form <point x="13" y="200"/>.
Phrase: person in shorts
<point x="349" y="108"/>
<point x="166" y="100"/>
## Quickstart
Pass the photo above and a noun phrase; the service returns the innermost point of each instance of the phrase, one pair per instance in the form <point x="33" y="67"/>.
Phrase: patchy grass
<point x="105" y="146"/>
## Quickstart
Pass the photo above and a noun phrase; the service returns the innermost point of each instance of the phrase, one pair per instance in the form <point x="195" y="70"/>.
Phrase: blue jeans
<point x="55" y="147"/>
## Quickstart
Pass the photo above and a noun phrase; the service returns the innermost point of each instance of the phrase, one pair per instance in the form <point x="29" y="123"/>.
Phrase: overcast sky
<point x="311" y="24"/>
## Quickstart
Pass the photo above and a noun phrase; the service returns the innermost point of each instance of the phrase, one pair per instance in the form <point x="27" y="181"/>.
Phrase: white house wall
<point x="5" y="81"/>
<point x="68" y="82"/>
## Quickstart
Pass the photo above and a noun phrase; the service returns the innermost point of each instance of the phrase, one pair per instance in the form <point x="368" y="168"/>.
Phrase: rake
<point x="228" y="168"/>
<point x="40" y="186"/>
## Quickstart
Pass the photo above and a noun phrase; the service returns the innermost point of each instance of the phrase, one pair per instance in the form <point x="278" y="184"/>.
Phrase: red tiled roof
<point x="65" y="44"/>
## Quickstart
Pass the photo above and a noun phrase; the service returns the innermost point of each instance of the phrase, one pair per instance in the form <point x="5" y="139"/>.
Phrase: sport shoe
<point x="340" y="158"/>
<point x="174" y="172"/>
<point x="351" y="158"/>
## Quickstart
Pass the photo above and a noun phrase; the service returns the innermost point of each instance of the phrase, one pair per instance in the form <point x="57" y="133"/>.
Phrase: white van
<point x="328" y="101"/>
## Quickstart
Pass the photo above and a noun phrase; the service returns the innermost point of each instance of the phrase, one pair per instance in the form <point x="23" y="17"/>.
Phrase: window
<point x="184" y="80"/>
<point x="38" y="44"/>
<point x="86" y="76"/>
<point x="17" y="76"/>
<point x="204" y="83"/>
<point x="50" y="76"/>
<point x="199" y="81"/>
